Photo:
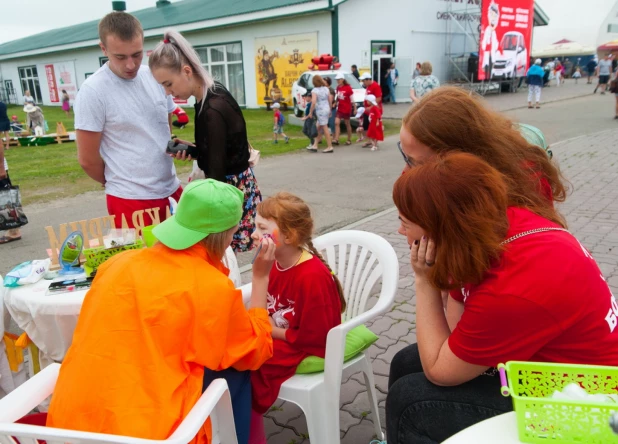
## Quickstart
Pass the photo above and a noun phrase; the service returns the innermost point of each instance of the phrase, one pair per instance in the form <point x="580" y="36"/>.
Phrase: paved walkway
<point x="509" y="101"/>
<point x="589" y="163"/>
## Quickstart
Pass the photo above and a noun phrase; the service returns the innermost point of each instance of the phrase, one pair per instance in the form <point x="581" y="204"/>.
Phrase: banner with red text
<point x="61" y="77"/>
<point x="506" y="36"/>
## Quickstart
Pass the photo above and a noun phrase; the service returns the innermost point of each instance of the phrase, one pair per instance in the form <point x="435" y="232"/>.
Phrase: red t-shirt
<point x="376" y="90"/>
<point x="181" y="115"/>
<point x="344" y="99"/>
<point x="276" y="116"/>
<point x="304" y="300"/>
<point x="546" y="300"/>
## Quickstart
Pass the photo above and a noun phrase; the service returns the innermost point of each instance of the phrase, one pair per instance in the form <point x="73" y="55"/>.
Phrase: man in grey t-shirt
<point x="604" y="70"/>
<point x="122" y="121"/>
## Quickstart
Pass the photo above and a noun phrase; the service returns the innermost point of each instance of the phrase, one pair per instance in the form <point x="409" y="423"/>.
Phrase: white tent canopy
<point x="564" y="48"/>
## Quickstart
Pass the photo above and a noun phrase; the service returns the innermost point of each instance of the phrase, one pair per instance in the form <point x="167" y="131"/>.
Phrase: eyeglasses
<point x="409" y="161"/>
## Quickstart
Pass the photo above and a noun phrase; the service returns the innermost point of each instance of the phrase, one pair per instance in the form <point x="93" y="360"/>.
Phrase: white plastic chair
<point x="215" y="403"/>
<point x="359" y="259"/>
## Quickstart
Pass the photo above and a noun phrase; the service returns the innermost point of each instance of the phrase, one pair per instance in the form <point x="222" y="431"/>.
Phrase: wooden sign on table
<point x="95" y="229"/>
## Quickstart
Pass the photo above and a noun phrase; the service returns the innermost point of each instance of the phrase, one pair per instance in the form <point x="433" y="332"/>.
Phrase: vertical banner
<point x="66" y="79"/>
<point x="279" y="62"/>
<point x="506" y="36"/>
<point x="51" y="83"/>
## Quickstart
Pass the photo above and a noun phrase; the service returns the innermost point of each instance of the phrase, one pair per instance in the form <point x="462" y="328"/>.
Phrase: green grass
<point x="46" y="173"/>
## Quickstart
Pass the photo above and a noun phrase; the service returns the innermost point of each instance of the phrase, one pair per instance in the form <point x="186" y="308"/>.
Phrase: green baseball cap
<point x="533" y="135"/>
<point x="205" y="207"/>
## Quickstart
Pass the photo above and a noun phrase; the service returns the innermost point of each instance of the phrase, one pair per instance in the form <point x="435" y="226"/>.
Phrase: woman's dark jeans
<point x="418" y="411"/>
<point x="239" y="384"/>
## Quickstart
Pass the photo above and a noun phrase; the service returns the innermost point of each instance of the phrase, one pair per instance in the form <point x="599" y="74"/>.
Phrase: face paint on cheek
<point x="275" y="236"/>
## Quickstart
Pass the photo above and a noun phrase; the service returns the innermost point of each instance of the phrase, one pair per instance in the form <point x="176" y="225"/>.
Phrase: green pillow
<point x="357" y="340"/>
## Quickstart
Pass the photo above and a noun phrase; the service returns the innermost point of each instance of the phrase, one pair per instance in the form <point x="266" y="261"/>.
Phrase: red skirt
<point x="266" y="382"/>
<point x="375" y="130"/>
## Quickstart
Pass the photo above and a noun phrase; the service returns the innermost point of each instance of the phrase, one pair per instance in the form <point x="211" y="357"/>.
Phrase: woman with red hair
<point x="523" y="288"/>
<point x="451" y="119"/>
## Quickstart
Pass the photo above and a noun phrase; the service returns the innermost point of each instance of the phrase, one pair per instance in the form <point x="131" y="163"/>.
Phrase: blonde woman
<point x="424" y="83"/>
<point x="220" y="127"/>
<point x="28" y="97"/>
<point x="321" y="106"/>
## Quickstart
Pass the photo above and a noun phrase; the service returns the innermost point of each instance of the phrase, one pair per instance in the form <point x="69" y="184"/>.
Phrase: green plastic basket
<point x="96" y="256"/>
<point x="541" y="419"/>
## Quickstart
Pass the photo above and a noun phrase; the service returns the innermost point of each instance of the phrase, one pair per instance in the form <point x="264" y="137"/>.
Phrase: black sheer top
<point x="221" y="135"/>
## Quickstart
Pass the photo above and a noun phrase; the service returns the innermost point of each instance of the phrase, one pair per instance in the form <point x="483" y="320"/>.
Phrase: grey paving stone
<point x="286" y="436"/>
<point x="359" y="434"/>
<point x="400" y="329"/>
<point x="380" y="367"/>
<point x="359" y="408"/>
<point x="284" y="413"/>
<point x="350" y="389"/>
<point x="346" y="421"/>
<point x="388" y="355"/>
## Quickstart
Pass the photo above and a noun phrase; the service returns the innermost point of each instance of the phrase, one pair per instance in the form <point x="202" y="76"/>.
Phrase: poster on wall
<point x="506" y="36"/>
<point x="61" y="76"/>
<point x="279" y="61"/>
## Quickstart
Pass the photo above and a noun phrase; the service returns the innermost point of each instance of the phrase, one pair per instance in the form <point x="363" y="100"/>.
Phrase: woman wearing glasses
<point x="450" y="119"/>
<point x="522" y="289"/>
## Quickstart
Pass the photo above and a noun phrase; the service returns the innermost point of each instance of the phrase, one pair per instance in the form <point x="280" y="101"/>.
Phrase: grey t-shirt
<point x="605" y="67"/>
<point x="132" y="116"/>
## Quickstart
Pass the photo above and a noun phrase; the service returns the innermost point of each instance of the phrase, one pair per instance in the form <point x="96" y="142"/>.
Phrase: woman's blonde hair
<point x="293" y="217"/>
<point x="217" y="243"/>
<point x="173" y="53"/>
<point x="426" y="69"/>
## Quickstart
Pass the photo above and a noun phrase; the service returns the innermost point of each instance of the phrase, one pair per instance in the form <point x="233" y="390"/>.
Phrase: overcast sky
<point x="34" y="16"/>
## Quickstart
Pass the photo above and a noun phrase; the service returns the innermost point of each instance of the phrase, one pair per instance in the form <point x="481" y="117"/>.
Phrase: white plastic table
<point x="499" y="429"/>
<point x="50" y="320"/>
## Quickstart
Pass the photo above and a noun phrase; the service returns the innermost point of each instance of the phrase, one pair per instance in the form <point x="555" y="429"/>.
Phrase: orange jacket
<point x="151" y="322"/>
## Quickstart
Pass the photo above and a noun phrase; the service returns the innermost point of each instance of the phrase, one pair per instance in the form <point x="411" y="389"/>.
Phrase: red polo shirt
<point x="546" y="300"/>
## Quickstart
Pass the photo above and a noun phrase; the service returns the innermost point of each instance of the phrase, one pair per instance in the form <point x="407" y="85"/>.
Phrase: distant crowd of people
<point x="540" y="75"/>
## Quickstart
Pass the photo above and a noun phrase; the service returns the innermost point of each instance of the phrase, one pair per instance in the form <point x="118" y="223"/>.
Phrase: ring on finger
<point x="429" y="264"/>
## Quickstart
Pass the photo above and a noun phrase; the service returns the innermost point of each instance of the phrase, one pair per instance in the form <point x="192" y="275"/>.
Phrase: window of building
<point x="612" y="28"/>
<point x="224" y="63"/>
<point x="29" y="79"/>
<point x="383" y="48"/>
<point x="103" y="61"/>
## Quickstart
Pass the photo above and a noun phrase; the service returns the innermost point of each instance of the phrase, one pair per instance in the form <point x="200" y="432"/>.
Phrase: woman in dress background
<point x="321" y="106"/>
<point x="66" y="104"/>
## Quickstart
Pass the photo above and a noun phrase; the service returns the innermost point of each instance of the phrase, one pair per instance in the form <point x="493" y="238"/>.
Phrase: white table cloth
<point x="50" y="320"/>
<point x="499" y="429"/>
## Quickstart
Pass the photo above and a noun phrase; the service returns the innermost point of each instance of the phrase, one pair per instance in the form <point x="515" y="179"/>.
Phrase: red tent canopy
<point x="609" y="46"/>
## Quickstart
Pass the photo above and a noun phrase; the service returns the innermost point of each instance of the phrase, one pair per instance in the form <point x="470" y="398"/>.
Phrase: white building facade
<point x="367" y="33"/>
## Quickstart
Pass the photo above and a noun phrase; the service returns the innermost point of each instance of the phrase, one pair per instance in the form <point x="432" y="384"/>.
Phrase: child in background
<point x="310" y="129"/>
<point x="577" y="74"/>
<point x="278" y="121"/>
<point x="305" y="300"/>
<point x="16" y="125"/>
<point x="375" y="131"/>
<point x="360" y="131"/>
